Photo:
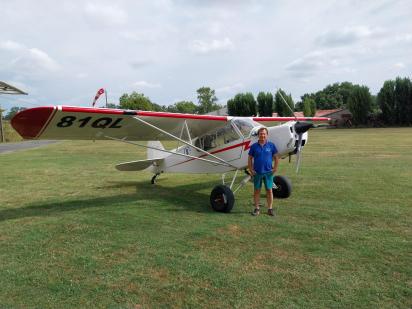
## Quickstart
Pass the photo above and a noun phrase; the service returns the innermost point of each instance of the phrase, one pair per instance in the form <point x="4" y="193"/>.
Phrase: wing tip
<point x="29" y="122"/>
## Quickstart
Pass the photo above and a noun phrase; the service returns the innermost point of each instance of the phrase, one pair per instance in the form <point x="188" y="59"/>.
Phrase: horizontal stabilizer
<point x="138" y="165"/>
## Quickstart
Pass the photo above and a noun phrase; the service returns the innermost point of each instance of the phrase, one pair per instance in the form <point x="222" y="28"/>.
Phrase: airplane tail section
<point x="154" y="153"/>
<point x="155" y="158"/>
<point x="139" y="165"/>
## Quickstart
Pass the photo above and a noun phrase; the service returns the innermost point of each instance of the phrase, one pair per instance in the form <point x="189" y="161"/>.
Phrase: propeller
<point x="300" y="129"/>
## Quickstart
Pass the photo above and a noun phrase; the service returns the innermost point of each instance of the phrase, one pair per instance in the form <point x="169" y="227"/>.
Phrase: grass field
<point x="74" y="232"/>
<point x="10" y="135"/>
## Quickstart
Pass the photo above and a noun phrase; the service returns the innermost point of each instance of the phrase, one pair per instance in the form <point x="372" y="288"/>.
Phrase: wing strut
<point x="184" y="142"/>
<point x="164" y="150"/>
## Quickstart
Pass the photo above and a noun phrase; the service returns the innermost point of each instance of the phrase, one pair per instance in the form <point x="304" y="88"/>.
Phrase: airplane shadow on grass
<point x="178" y="198"/>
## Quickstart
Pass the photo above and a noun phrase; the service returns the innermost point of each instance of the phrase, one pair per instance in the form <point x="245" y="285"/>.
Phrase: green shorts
<point x="266" y="178"/>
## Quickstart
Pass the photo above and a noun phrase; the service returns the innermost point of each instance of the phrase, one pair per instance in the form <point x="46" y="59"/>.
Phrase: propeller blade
<point x="300" y="129"/>
<point x="298" y="153"/>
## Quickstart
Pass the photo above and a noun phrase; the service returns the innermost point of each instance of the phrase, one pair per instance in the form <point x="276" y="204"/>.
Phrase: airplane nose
<point x="29" y="122"/>
<point x="302" y="127"/>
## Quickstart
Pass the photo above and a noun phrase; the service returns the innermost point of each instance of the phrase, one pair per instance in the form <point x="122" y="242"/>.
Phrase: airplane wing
<point x="271" y="121"/>
<point x="84" y="123"/>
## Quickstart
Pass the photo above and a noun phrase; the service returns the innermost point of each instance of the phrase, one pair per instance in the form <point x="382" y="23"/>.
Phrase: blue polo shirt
<point x="263" y="156"/>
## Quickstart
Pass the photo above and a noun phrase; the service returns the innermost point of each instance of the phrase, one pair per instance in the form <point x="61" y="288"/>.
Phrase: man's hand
<point x="252" y="172"/>
<point x="274" y="170"/>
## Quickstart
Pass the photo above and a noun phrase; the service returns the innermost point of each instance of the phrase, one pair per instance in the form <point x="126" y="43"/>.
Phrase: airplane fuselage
<point x="235" y="152"/>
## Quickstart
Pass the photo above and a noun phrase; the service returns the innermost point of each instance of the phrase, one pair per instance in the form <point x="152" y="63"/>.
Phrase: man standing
<point x="261" y="157"/>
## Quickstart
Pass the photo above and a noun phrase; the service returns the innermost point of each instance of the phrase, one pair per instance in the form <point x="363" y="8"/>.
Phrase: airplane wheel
<point x="222" y="198"/>
<point x="284" y="187"/>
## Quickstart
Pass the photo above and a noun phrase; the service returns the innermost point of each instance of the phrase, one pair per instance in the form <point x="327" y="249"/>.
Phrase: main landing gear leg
<point x="222" y="197"/>
<point x="153" y="181"/>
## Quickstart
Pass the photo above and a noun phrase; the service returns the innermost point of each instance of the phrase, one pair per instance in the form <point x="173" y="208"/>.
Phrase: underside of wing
<point x="68" y="122"/>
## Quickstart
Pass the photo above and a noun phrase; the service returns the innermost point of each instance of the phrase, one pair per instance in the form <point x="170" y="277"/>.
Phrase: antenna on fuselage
<point x="286" y="103"/>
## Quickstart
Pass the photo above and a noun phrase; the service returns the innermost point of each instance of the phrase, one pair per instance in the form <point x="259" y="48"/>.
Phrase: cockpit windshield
<point x="245" y="125"/>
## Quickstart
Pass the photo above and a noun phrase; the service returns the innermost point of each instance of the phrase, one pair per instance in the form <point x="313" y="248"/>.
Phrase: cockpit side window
<point x="217" y="138"/>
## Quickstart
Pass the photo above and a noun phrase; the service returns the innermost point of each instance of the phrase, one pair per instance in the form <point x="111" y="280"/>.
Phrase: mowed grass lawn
<point x="74" y="232"/>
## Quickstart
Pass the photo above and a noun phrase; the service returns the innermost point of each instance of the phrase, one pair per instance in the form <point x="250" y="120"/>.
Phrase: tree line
<point x="207" y="102"/>
<point x="391" y="106"/>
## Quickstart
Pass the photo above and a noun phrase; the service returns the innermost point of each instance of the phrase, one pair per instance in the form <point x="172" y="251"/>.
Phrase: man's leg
<point x="269" y="198"/>
<point x="256" y="197"/>
<point x="257" y="185"/>
<point x="269" y="193"/>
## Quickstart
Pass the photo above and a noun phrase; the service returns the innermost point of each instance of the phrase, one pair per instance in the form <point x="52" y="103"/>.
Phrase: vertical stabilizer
<point x="153" y="153"/>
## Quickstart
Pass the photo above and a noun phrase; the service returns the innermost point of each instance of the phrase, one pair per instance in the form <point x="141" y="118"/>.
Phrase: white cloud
<point x="399" y="65"/>
<point x="330" y="60"/>
<point x="139" y="36"/>
<point x="348" y="35"/>
<point x="405" y="37"/>
<point x="82" y="75"/>
<point x="28" y="60"/>
<point x="179" y="45"/>
<point x="307" y="65"/>
<point x="106" y="13"/>
<point x="11" y="46"/>
<point x="230" y="88"/>
<point x="41" y="59"/>
<point x="204" y="47"/>
<point x="144" y="84"/>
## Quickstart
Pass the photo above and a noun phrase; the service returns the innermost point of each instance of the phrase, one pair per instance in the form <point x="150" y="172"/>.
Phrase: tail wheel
<point x="282" y="187"/>
<point x="222" y="198"/>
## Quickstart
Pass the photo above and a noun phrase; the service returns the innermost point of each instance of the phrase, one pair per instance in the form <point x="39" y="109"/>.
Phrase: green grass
<point x="10" y="135"/>
<point x="74" y="232"/>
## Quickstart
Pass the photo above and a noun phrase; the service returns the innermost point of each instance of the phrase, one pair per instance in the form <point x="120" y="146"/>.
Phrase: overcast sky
<point x="62" y="52"/>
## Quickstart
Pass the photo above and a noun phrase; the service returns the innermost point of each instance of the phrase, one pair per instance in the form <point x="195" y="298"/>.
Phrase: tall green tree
<point x="185" y="107"/>
<point x="280" y="104"/>
<point x="231" y="107"/>
<point x="250" y="103"/>
<point x="395" y="101"/>
<point x="243" y="104"/>
<point x="403" y="104"/>
<point x="309" y="107"/>
<point x="135" y="101"/>
<point x="261" y="102"/>
<point x="360" y="104"/>
<point x="207" y="100"/>
<point x="331" y="97"/>
<point x="265" y="104"/>
<point x="386" y="102"/>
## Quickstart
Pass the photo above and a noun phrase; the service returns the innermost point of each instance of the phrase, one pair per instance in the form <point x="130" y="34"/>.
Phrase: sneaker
<point x="271" y="212"/>
<point x="256" y="212"/>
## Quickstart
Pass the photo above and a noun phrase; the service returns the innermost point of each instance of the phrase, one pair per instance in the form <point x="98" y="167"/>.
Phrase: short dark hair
<point x="263" y="128"/>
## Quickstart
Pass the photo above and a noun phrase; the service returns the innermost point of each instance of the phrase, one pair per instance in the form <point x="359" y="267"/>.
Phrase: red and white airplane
<point x="206" y="143"/>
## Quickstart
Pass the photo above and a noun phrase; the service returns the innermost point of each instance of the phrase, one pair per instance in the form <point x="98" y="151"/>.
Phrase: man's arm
<point x="276" y="160"/>
<point x="250" y="165"/>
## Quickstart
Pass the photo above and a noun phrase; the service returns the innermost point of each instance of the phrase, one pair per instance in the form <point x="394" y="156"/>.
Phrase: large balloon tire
<point x="222" y="199"/>
<point x="284" y="187"/>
